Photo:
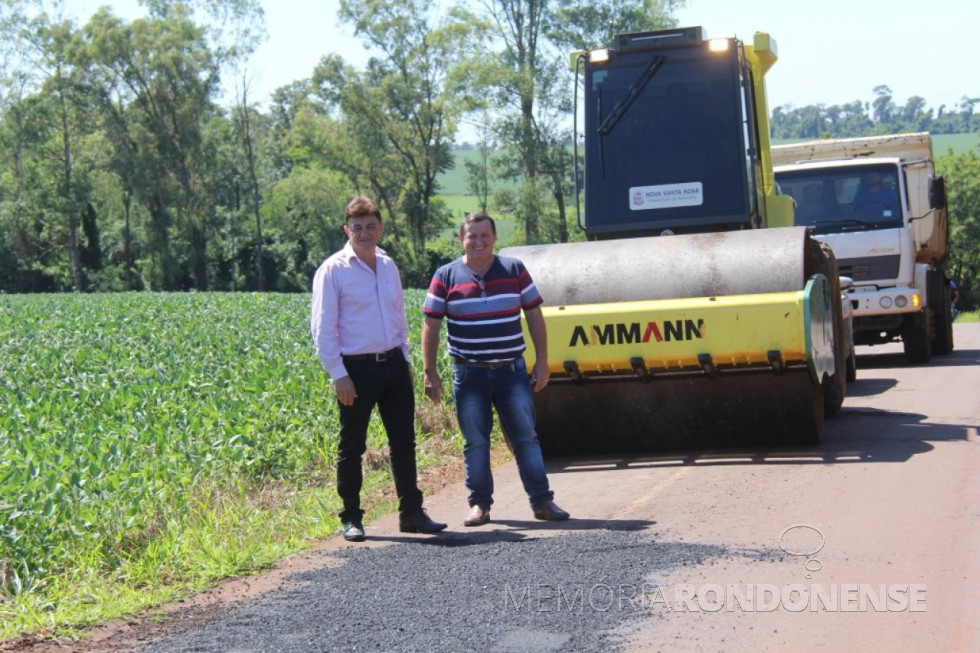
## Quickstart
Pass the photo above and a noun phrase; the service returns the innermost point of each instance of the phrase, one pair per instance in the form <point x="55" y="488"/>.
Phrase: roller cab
<point x="676" y="135"/>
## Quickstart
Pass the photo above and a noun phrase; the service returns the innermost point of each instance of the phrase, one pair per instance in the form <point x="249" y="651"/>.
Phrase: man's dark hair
<point x="479" y="216"/>
<point x="361" y="207"/>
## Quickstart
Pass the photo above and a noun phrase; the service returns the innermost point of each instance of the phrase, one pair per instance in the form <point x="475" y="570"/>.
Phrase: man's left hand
<point x="540" y="375"/>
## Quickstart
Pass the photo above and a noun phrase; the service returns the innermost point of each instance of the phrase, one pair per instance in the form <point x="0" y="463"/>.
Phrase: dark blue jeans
<point x="387" y="385"/>
<point x="477" y="390"/>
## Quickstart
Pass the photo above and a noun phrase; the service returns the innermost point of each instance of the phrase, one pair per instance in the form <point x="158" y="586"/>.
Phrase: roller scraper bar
<point x="707" y="336"/>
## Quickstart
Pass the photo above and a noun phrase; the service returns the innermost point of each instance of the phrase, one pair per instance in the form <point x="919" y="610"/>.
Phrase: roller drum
<point x="686" y="413"/>
<point x="669" y="267"/>
<point x="675" y="413"/>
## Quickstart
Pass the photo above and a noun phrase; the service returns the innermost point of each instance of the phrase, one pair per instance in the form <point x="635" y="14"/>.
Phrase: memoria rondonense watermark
<point x="711" y="597"/>
<point x="802" y="540"/>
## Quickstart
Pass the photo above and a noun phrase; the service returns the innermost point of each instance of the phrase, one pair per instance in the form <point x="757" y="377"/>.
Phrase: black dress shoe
<point x="353" y="531"/>
<point x="418" y="521"/>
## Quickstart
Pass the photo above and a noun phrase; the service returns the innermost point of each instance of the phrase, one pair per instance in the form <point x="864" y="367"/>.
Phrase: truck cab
<point x="878" y="204"/>
<point x="860" y="210"/>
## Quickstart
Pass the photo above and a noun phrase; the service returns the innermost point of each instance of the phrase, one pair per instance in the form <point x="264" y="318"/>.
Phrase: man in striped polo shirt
<point x="481" y="295"/>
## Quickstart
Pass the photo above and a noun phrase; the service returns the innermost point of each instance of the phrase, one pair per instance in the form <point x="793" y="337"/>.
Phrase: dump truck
<point x="879" y="204"/>
<point x="694" y="313"/>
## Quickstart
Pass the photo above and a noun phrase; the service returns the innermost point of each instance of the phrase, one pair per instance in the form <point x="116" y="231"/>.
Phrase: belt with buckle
<point x="377" y="358"/>
<point x="487" y="364"/>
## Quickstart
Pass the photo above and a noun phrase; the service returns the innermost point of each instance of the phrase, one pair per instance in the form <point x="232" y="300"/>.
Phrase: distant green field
<point x="941" y="143"/>
<point x="453" y="182"/>
<point x="958" y="143"/>
<point x="461" y="204"/>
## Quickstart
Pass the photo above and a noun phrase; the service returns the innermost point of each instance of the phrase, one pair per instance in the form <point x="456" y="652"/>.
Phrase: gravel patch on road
<point x="479" y="591"/>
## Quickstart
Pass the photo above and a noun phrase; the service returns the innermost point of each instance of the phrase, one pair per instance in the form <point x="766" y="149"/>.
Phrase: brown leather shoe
<point x="477" y="516"/>
<point x="548" y="511"/>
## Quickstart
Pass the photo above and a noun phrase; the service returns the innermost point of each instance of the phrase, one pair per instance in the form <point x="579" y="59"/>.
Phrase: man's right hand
<point x="346" y="394"/>
<point x="433" y="387"/>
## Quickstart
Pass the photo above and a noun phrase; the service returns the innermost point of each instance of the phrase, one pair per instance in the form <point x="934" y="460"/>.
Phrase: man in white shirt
<point x="361" y="338"/>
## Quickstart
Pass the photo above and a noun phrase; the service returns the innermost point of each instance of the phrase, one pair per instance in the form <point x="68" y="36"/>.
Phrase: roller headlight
<point x="901" y="301"/>
<point x="885" y="302"/>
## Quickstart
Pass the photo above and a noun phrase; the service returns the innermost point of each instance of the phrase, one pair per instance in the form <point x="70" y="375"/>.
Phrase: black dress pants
<point x="387" y="385"/>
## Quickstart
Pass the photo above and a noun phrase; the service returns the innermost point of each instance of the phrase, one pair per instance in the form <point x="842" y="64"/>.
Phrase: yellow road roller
<point x="693" y="314"/>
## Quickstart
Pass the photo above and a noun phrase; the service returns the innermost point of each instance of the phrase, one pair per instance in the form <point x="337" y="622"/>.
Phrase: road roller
<point x="693" y="314"/>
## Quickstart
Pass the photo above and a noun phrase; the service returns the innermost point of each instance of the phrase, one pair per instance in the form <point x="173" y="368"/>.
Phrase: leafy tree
<point x="883" y="108"/>
<point x="478" y="172"/>
<point x="405" y="103"/>
<point x="305" y="216"/>
<point x="232" y="29"/>
<point x="245" y="117"/>
<point x="914" y="115"/>
<point x="58" y="195"/>
<point x="353" y="144"/>
<point x="525" y="73"/>
<point x="162" y="71"/>
<point x="584" y="25"/>
<point x="962" y="173"/>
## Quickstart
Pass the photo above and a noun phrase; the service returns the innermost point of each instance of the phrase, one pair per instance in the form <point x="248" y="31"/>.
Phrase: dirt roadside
<point x="445" y="501"/>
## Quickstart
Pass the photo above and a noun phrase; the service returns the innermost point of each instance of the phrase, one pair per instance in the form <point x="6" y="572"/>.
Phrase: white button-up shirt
<point x="356" y="310"/>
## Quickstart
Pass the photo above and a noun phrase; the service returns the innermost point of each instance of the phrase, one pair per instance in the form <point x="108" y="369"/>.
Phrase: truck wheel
<point x="942" y="314"/>
<point x="834" y="386"/>
<point x="915" y="338"/>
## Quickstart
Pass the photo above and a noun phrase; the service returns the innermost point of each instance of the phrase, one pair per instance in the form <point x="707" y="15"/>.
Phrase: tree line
<point x="880" y="116"/>
<point x="124" y="165"/>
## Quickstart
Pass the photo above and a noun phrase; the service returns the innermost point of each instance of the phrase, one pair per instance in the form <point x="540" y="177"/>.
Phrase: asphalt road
<point x="868" y="541"/>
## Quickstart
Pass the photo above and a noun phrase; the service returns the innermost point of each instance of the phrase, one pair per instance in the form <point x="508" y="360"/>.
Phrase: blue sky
<point x="830" y="51"/>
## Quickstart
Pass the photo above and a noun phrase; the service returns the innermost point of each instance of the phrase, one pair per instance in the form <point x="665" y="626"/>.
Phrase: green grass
<point x="971" y="316"/>
<point x="151" y="444"/>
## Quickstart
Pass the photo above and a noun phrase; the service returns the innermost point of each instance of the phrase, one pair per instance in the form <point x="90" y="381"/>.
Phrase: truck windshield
<point x="838" y="199"/>
<point x="665" y="141"/>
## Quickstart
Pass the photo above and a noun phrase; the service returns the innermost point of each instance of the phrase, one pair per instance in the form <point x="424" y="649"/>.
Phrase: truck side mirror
<point x="937" y="192"/>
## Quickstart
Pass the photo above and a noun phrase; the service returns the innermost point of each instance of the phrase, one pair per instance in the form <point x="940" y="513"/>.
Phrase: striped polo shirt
<point x="483" y="314"/>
